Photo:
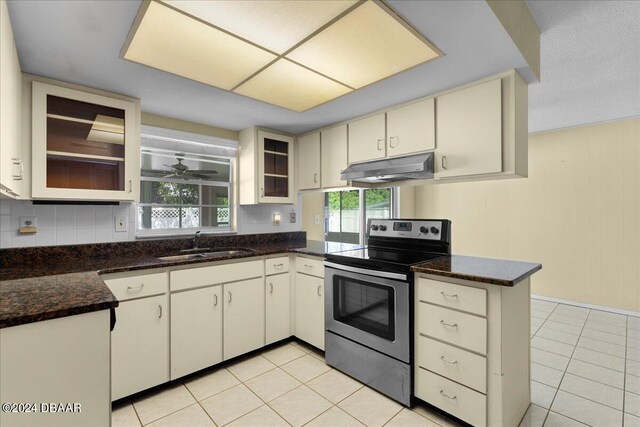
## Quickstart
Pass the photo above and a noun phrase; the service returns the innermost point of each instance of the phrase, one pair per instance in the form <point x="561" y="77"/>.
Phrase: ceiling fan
<point x="182" y="171"/>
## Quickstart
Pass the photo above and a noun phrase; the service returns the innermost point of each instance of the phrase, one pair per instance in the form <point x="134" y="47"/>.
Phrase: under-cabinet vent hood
<point x="419" y="166"/>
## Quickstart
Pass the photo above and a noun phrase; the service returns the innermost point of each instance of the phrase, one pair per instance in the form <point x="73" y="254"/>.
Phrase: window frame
<point x="195" y="139"/>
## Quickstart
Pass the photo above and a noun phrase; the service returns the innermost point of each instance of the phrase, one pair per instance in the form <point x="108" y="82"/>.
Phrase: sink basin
<point x="205" y="255"/>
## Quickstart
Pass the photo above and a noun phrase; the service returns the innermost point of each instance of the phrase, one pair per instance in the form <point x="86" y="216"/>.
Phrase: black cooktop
<point x="382" y="259"/>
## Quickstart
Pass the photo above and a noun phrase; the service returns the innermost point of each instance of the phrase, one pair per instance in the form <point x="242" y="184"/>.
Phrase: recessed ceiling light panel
<point x="366" y="45"/>
<point x="276" y="25"/>
<point x="291" y="86"/>
<point x="172" y="41"/>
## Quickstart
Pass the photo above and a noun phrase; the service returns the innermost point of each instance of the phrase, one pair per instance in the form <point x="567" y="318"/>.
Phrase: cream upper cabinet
<point x="469" y="131"/>
<point x="11" y="161"/>
<point x="196" y="330"/>
<point x="85" y="145"/>
<point x="309" y="161"/>
<point x="277" y="308"/>
<point x="411" y="129"/>
<point x="266" y="166"/>
<point x="367" y="139"/>
<point x="334" y="156"/>
<point x="243" y="317"/>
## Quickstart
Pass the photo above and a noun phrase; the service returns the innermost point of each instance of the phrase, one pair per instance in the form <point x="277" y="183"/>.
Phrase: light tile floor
<point x="585" y="370"/>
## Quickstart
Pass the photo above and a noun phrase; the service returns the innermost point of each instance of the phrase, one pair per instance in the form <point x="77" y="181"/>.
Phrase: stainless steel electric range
<point x="369" y="302"/>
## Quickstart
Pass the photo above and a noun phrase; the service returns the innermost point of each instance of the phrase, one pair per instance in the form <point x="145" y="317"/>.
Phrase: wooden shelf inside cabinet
<point x="80" y="157"/>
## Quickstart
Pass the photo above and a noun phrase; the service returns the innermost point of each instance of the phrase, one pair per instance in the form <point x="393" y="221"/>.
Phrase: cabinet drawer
<point x="140" y="285"/>
<point x="276" y="265"/>
<point x="459" y="365"/>
<point x="456" y="399"/>
<point x="466" y="298"/>
<point x="463" y="330"/>
<point x="314" y="267"/>
<point x="212" y="275"/>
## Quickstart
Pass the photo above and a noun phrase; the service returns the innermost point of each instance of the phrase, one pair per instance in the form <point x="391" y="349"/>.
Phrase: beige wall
<point x="185" y="126"/>
<point x="312" y="205"/>
<point x="578" y="214"/>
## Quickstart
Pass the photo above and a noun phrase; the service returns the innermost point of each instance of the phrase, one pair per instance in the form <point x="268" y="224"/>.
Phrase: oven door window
<point x="366" y="306"/>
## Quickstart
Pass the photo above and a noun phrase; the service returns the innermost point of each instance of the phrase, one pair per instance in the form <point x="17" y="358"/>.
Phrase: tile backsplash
<point x="77" y="224"/>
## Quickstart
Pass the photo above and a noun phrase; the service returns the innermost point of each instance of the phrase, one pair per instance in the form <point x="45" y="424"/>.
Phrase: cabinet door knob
<point x="447" y="396"/>
<point x="444" y="294"/>
<point x="17" y="162"/>
<point x="215" y="300"/>
<point x="230" y="297"/>
<point x="315" y="177"/>
<point x="319" y="294"/>
<point x="261" y="191"/>
<point x="159" y="312"/>
<point x="451" y="362"/>
<point x="391" y="141"/>
<point x="450" y="325"/>
<point x="130" y="186"/>
<point x="135" y="288"/>
<point x="380" y="144"/>
<point x="270" y="288"/>
<point x="443" y="162"/>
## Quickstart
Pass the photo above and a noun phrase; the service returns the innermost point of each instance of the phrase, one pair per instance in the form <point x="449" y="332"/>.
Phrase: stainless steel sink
<point x="206" y="255"/>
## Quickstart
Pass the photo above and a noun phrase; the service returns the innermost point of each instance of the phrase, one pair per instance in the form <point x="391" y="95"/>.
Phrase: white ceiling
<point x="590" y="62"/>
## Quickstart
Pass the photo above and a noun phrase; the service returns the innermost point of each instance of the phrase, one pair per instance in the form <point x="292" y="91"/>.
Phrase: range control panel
<point x="409" y="228"/>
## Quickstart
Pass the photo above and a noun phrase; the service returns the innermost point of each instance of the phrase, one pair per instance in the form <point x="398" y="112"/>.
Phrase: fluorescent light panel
<point x="276" y="25"/>
<point x="172" y="41"/>
<point x="291" y="86"/>
<point x="197" y="40"/>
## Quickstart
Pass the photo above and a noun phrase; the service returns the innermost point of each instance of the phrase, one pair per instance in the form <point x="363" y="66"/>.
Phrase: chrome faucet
<point x="195" y="240"/>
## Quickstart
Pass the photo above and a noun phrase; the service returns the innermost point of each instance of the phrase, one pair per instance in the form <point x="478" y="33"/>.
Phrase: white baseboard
<point x="592" y="306"/>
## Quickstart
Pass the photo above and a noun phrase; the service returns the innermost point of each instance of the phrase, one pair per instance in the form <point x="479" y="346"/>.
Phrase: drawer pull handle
<point x="447" y="396"/>
<point x="319" y="290"/>
<point x="444" y="294"/>
<point x="451" y="325"/>
<point x="451" y="362"/>
<point x="278" y="265"/>
<point x="270" y="288"/>
<point x="159" y="312"/>
<point x="135" y="288"/>
<point x="230" y="297"/>
<point x="215" y="300"/>
<point x="308" y="266"/>
<point x="315" y="178"/>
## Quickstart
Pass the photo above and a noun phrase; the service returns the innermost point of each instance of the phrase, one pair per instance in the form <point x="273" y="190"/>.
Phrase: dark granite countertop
<point x="45" y="283"/>
<point x="485" y="270"/>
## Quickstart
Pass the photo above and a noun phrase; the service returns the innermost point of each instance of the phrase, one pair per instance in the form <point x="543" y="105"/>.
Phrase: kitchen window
<point x="348" y="212"/>
<point x="186" y="183"/>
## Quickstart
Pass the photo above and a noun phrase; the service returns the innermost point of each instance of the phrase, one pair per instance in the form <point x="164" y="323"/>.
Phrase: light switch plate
<point x="316" y="219"/>
<point x="120" y="225"/>
<point x="292" y="217"/>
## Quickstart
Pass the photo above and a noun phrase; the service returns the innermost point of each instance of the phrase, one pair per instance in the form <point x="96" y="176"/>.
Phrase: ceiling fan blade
<point x="204" y="171"/>
<point x="169" y="166"/>
<point x="171" y="175"/>
<point x="191" y="174"/>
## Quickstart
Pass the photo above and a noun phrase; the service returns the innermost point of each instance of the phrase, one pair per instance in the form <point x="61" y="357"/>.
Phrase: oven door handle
<point x="374" y="273"/>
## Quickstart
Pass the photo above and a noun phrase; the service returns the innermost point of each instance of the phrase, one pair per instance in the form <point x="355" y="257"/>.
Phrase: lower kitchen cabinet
<point x="196" y="330"/>
<point x="243" y="317"/>
<point x="277" y="308"/>
<point x="472" y="349"/>
<point x="310" y="309"/>
<point x="37" y="359"/>
<point x="140" y="346"/>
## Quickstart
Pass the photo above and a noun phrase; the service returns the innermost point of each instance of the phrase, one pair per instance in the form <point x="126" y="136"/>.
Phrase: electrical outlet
<point x="316" y="219"/>
<point x="120" y="225"/>
<point x="28" y="224"/>
<point x="292" y="217"/>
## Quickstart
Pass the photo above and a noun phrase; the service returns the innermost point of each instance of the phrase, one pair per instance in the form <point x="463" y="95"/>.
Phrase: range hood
<point x="419" y="166"/>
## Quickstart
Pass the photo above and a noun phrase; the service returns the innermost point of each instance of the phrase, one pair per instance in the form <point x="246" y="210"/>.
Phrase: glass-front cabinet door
<point x="275" y="168"/>
<point x="85" y="146"/>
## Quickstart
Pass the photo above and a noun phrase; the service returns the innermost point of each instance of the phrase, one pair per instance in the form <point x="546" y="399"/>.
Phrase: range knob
<point x="434" y="230"/>
<point x="383" y="228"/>
<point x="424" y="230"/>
<point x="374" y="227"/>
